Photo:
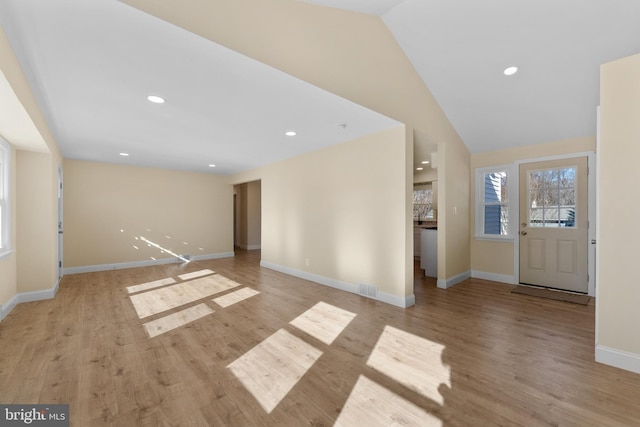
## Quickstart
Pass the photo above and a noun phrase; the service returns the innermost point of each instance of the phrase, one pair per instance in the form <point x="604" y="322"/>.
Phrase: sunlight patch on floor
<point x="151" y="285"/>
<point x="211" y="285"/>
<point x="176" y="320"/>
<point x="372" y="405"/>
<point x="273" y="367"/>
<point x="193" y="275"/>
<point x="323" y="321"/>
<point x="163" y="299"/>
<point x="235" y="296"/>
<point x="412" y="361"/>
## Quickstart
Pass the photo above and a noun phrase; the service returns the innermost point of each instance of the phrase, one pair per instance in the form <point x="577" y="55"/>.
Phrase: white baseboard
<point x="502" y="278"/>
<point x="405" y="302"/>
<point x="618" y="358"/>
<point x="145" y="263"/>
<point x="343" y="286"/>
<point x="213" y="256"/>
<point x="451" y="281"/>
<point x="23" y="297"/>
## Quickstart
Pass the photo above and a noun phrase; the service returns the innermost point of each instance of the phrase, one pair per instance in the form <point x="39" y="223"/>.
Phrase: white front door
<point x="554" y="224"/>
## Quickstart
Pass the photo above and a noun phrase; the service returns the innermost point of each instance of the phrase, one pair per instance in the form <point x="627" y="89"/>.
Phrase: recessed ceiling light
<point x="212" y="166"/>
<point x="419" y="169"/>
<point x="425" y="162"/>
<point x="290" y="133"/>
<point x="155" y="99"/>
<point x="510" y="71"/>
<point x="124" y="154"/>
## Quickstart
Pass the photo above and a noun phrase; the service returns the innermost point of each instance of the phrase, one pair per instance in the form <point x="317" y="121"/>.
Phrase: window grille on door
<point x="552" y="197"/>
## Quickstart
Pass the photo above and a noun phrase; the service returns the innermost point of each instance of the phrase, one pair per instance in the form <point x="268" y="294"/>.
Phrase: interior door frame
<point x="60" y="224"/>
<point x="591" y="235"/>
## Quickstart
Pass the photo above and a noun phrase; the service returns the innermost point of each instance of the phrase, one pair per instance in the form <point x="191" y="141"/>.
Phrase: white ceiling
<point x="92" y="64"/>
<point x="461" y="47"/>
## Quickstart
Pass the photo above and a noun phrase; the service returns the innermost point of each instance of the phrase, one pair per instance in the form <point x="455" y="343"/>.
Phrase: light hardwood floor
<point x="152" y="347"/>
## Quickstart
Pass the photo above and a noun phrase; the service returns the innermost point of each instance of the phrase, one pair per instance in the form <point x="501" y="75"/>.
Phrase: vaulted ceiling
<point x="461" y="47"/>
<point x="92" y="64"/>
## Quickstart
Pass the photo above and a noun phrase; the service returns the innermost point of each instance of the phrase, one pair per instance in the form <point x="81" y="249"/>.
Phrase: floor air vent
<point x="368" y="290"/>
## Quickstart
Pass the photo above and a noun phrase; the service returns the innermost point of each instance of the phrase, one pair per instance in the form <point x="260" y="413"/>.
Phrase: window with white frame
<point x="422" y="204"/>
<point x="5" y="207"/>
<point x="495" y="194"/>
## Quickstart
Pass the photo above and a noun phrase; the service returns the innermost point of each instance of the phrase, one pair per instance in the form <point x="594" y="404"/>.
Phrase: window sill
<point x="494" y="238"/>
<point x="5" y="254"/>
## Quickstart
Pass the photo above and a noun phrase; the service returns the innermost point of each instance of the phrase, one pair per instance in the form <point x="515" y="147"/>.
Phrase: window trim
<point x="430" y="216"/>
<point x="5" y="198"/>
<point x="512" y="202"/>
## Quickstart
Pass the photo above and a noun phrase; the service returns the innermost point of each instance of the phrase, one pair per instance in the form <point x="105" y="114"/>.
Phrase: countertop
<point x="427" y="225"/>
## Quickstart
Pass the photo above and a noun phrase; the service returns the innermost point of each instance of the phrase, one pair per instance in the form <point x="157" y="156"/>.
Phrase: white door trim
<point x="60" y="265"/>
<point x="591" y="160"/>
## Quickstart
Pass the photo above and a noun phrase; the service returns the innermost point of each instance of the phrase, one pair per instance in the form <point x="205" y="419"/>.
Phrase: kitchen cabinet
<point x="429" y="252"/>
<point x="416" y="242"/>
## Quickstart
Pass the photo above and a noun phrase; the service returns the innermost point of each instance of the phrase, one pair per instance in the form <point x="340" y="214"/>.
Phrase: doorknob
<point x="524" y="233"/>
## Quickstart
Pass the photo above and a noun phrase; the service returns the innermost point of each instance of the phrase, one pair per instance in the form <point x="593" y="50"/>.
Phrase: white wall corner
<point x="502" y="278"/>
<point x="452" y="281"/>
<point x="618" y="358"/>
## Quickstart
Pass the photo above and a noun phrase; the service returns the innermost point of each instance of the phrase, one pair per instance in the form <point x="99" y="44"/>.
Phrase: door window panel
<point x="552" y="197"/>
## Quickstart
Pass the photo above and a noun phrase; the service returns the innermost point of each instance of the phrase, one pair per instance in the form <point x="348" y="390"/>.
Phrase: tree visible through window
<point x="422" y="204"/>
<point x="552" y="197"/>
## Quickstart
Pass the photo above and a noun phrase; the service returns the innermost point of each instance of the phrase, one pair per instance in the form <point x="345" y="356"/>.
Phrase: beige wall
<point x="36" y="222"/>
<point x="453" y="212"/>
<point x="253" y="217"/>
<point x="8" y="264"/>
<point x="22" y="272"/>
<point x="498" y="257"/>
<point x="618" y="293"/>
<point x="108" y="208"/>
<point x="239" y="231"/>
<point x="333" y="215"/>
<point x="426" y="176"/>
<point x="360" y="60"/>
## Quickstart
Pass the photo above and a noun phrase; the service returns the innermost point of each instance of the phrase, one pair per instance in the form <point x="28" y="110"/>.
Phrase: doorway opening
<point x="247" y="215"/>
